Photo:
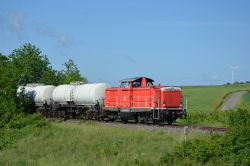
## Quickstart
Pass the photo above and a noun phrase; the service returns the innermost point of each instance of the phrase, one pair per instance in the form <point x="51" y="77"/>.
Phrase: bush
<point x="22" y="120"/>
<point x="204" y="117"/>
<point x="239" y="118"/>
<point x="231" y="149"/>
<point x="19" y="125"/>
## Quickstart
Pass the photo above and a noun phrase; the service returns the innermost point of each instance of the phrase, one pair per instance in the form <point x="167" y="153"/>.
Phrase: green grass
<point x="72" y="144"/>
<point x="204" y="103"/>
<point x="245" y="102"/>
<point x="209" y="98"/>
<point x="90" y="144"/>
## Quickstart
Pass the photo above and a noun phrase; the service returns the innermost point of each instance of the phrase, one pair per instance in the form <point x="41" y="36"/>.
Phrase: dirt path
<point x="232" y="100"/>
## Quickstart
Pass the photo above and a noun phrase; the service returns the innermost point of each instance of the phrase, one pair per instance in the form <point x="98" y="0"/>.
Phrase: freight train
<point x="136" y="99"/>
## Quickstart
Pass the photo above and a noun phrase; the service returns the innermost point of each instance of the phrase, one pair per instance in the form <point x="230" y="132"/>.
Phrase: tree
<point x="7" y="91"/>
<point x="4" y="63"/>
<point x="30" y="66"/>
<point x="51" y="77"/>
<point x="71" y="74"/>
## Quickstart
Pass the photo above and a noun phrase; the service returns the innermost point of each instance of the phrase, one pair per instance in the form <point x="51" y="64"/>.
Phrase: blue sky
<point x="181" y="42"/>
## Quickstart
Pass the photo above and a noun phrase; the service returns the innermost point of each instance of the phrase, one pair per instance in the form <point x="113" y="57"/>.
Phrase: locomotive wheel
<point x="169" y="117"/>
<point x="170" y="120"/>
<point x="155" y="121"/>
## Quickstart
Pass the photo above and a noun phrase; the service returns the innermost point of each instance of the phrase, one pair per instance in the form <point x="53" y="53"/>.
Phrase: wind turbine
<point x="233" y="68"/>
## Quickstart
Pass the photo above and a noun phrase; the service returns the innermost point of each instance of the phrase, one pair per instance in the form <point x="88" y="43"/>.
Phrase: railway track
<point x="151" y="127"/>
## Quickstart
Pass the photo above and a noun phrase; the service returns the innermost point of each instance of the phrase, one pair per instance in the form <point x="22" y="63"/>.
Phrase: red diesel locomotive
<point x="138" y="99"/>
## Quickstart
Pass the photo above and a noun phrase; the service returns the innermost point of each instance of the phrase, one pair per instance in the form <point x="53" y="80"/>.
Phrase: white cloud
<point x="62" y="39"/>
<point x="15" y="21"/>
<point x="44" y="30"/>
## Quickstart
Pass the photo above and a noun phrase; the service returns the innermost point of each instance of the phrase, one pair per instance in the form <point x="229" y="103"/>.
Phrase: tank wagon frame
<point x="77" y="99"/>
<point x="136" y="99"/>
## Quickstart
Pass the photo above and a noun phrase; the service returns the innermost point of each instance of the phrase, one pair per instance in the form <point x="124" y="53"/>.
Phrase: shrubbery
<point x="205" y="117"/>
<point x="231" y="149"/>
<point x="19" y="125"/>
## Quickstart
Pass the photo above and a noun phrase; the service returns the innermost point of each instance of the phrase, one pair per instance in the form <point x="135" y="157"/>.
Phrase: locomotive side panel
<point x="111" y="101"/>
<point x="142" y="98"/>
<point x="171" y="97"/>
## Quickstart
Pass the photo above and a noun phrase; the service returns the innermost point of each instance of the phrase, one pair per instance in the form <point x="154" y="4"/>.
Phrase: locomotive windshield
<point x="136" y="84"/>
<point x="124" y="85"/>
<point x="149" y="83"/>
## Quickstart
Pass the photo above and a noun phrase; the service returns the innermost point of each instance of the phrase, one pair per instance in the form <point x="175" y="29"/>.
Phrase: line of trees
<point x="25" y="65"/>
<point x="237" y="83"/>
<point x="28" y="65"/>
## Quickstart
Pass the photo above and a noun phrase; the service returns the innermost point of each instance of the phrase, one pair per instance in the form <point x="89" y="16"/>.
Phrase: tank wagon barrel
<point x="37" y="93"/>
<point x="83" y="94"/>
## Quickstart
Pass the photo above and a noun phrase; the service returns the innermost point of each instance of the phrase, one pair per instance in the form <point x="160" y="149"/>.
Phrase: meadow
<point x="91" y="144"/>
<point x="245" y="102"/>
<point x="209" y="98"/>
<point x="204" y="103"/>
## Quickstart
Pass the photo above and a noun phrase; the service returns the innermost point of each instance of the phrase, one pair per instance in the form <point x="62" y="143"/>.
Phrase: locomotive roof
<point x="136" y="78"/>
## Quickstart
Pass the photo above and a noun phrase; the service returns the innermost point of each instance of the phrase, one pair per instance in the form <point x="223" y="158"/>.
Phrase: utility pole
<point x="233" y="68"/>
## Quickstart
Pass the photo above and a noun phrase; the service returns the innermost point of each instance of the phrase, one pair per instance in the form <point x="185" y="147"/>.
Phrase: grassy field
<point x="245" y="101"/>
<point x="204" y="103"/>
<point x="90" y="144"/>
<point x="209" y="98"/>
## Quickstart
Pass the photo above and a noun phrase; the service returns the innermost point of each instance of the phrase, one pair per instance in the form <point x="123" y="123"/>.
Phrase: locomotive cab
<point x="136" y="82"/>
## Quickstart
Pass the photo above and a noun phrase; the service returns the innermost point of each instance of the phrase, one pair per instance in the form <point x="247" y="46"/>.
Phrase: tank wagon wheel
<point x="142" y="121"/>
<point x="99" y="118"/>
<point x="136" y="118"/>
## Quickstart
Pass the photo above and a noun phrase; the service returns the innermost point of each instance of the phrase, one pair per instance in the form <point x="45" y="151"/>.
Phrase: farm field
<point x="204" y="103"/>
<point x="209" y="98"/>
<point x="90" y="144"/>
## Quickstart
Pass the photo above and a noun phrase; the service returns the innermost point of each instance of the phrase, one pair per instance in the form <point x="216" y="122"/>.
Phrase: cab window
<point x="150" y="84"/>
<point x="124" y="85"/>
<point x="136" y="84"/>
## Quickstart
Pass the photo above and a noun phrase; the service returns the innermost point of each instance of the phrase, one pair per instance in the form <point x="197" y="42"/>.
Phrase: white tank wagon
<point x="89" y="94"/>
<point x="79" y="94"/>
<point x="39" y="94"/>
<point x="62" y="94"/>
